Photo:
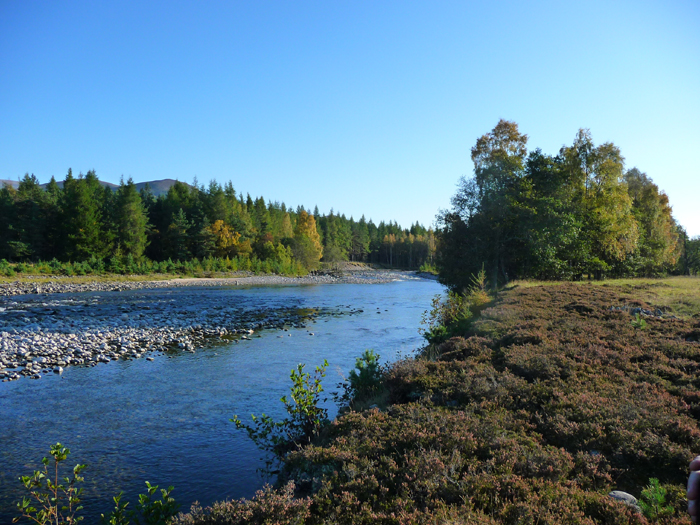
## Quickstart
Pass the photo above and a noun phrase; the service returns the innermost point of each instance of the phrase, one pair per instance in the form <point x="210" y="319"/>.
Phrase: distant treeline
<point x="84" y="221"/>
<point x="576" y="214"/>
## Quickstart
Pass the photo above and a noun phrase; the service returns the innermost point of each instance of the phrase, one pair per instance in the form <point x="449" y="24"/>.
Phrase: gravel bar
<point x="46" y="331"/>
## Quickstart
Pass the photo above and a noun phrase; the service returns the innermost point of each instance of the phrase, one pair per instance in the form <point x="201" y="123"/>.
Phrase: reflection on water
<point x="167" y="421"/>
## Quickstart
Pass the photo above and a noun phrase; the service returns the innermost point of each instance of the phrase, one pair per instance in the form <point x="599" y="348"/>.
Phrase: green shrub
<point x="57" y="497"/>
<point x="55" y="265"/>
<point x="367" y="376"/>
<point x="428" y="268"/>
<point x="6" y="268"/>
<point x="305" y="417"/>
<point x="639" y="323"/>
<point x="364" y="383"/>
<point x="148" y="511"/>
<point x="452" y="316"/>
<point x="653" y="501"/>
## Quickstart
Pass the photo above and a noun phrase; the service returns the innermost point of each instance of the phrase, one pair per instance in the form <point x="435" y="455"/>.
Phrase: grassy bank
<point x="551" y="399"/>
<point x="678" y="295"/>
<point x="96" y="267"/>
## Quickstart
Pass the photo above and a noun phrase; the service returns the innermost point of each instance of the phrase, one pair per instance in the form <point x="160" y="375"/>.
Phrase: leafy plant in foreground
<point x="363" y="382"/>
<point x="653" y="501"/>
<point x="147" y="512"/>
<point x="452" y="315"/>
<point x="305" y="417"/>
<point x="58" y="499"/>
<point x="638" y="322"/>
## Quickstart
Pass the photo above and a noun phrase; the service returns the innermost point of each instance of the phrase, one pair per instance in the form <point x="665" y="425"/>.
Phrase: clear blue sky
<point x="367" y="107"/>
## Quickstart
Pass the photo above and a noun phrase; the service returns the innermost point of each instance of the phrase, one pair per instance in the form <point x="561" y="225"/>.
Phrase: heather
<point x="546" y="402"/>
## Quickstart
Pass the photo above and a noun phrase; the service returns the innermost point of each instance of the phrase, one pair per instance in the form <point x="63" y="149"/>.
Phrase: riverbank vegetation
<point x="84" y="227"/>
<point x="55" y="499"/>
<point x="558" y="217"/>
<point x="543" y="404"/>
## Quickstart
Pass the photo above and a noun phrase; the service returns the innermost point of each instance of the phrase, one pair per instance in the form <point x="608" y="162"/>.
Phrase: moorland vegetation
<point x="548" y="399"/>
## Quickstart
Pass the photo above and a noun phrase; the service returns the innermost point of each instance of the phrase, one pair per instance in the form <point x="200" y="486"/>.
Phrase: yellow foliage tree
<point x="307" y="242"/>
<point x="226" y="239"/>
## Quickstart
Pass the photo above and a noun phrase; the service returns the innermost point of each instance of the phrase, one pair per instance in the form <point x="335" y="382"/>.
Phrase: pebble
<point x="52" y="284"/>
<point x="626" y="498"/>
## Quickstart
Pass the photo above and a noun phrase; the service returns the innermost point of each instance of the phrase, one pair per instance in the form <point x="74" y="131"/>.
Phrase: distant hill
<point x="158" y="187"/>
<point x="109" y="185"/>
<point x="11" y="183"/>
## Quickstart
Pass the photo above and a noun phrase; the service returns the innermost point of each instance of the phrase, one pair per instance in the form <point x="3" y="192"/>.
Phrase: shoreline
<point x="44" y="285"/>
<point x="39" y="336"/>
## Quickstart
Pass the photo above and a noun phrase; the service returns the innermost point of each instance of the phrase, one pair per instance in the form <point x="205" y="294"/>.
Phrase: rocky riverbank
<point x="52" y="284"/>
<point x="47" y="325"/>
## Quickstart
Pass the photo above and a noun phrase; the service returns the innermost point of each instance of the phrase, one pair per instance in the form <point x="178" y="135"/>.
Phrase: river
<point x="166" y="421"/>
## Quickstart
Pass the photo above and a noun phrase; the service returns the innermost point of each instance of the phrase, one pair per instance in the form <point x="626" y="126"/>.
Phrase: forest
<point x="578" y="213"/>
<point x="83" y="222"/>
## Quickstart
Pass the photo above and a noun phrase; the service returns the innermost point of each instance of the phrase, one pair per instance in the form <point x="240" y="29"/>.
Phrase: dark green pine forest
<point x="95" y="229"/>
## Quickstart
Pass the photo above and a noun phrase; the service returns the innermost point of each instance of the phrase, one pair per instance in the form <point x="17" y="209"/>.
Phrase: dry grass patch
<point x="678" y="295"/>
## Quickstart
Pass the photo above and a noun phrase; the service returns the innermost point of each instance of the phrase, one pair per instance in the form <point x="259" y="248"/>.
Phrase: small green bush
<point x="653" y="501"/>
<point x="148" y="511"/>
<point x="452" y="316"/>
<point x="57" y="497"/>
<point x="428" y="268"/>
<point x="639" y="323"/>
<point x="364" y="382"/>
<point x="305" y="417"/>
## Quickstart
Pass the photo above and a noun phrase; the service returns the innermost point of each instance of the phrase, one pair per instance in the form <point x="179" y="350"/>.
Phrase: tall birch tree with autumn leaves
<point x="306" y="247"/>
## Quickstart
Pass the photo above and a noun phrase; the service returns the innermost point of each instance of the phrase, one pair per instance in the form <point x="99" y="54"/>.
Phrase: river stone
<point x="626" y="498"/>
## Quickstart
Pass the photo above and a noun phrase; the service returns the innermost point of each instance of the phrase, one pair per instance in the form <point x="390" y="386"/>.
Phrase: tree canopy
<point x="81" y="220"/>
<point x="533" y="215"/>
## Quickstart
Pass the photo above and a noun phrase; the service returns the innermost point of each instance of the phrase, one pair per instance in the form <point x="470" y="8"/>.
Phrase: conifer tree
<point x="360" y="240"/>
<point x="8" y="217"/>
<point x="205" y="241"/>
<point x="215" y="203"/>
<point x="52" y="233"/>
<point x="176" y="238"/>
<point x="30" y="218"/>
<point x="82" y="217"/>
<point x="131" y="220"/>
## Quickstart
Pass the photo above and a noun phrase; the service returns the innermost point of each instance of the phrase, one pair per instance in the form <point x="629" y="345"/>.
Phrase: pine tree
<point x="82" y="217"/>
<point x="176" y="238"/>
<point x="8" y="216"/>
<point x="30" y="218"/>
<point x="52" y="212"/>
<point x="131" y="220"/>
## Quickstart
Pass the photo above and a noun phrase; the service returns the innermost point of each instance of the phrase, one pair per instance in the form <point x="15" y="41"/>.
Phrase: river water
<point x="166" y="421"/>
